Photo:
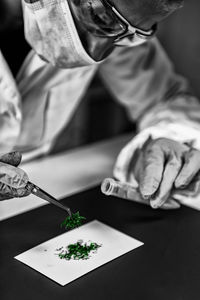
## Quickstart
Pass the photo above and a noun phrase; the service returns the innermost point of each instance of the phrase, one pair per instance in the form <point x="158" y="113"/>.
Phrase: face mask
<point x="50" y="30"/>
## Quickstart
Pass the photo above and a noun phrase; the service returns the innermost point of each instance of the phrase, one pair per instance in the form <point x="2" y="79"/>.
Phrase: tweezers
<point x="35" y="190"/>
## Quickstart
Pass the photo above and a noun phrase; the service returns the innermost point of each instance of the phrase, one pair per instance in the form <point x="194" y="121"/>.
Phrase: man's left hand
<point x="165" y="167"/>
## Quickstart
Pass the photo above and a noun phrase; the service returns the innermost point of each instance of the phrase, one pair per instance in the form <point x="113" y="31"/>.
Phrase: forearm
<point x="175" y="112"/>
<point x="162" y="104"/>
<point x="178" y="119"/>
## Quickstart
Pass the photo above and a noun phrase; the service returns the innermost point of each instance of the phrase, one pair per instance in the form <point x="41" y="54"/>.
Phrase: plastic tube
<point x="111" y="187"/>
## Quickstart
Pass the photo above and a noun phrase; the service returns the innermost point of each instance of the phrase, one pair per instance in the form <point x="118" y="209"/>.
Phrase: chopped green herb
<point x="78" y="251"/>
<point x="72" y="222"/>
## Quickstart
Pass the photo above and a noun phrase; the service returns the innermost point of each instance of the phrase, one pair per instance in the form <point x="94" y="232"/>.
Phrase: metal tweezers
<point x="35" y="190"/>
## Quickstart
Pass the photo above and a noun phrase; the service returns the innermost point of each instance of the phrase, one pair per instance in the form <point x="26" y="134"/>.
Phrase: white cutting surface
<point x="43" y="257"/>
<point x="72" y="172"/>
<point x="67" y="173"/>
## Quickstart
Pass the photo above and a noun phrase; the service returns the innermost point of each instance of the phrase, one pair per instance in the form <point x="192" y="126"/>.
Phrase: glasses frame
<point x="130" y="29"/>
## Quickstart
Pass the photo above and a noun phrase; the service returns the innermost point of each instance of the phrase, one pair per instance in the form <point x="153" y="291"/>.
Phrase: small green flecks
<point x="72" y="222"/>
<point x="78" y="251"/>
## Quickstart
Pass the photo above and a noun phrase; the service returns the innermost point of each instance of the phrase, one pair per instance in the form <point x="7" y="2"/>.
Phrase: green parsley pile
<point x="78" y="251"/>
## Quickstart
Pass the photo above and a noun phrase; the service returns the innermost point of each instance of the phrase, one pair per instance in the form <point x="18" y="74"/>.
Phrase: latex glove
<point x="12" y="179"/>
<point x="162" y="166"/>
<point x="191" y="191"/>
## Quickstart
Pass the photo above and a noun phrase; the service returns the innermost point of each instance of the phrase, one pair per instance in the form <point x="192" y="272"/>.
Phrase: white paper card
<point x="43" y="257"/>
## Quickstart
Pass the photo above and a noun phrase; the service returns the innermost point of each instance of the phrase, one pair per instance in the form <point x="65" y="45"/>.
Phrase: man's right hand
<point x="13" y="180"/>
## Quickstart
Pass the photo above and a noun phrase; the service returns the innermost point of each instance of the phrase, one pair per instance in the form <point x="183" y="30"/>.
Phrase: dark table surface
<point x="166" y="267"/>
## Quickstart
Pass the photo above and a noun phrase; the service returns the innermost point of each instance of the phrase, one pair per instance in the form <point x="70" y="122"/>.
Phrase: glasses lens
<point x="98" y="18"/>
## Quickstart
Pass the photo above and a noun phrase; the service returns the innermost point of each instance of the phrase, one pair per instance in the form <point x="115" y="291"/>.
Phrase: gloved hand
<point x="164" y="167"/>
<point x="12" y="179"/>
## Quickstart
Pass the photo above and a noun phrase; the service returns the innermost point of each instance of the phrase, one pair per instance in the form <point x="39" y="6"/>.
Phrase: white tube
<point x="111" y="187"/>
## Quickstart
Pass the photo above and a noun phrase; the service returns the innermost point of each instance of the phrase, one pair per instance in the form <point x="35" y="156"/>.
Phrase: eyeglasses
<point x="128" y="29"/>
<point x="102" y="19"/>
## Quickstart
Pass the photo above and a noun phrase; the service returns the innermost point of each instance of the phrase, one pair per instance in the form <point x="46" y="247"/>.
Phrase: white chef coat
<point x="36" y="106"/>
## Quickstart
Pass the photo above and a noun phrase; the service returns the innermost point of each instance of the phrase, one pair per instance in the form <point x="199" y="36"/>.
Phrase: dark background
<point x="179" y="34"/>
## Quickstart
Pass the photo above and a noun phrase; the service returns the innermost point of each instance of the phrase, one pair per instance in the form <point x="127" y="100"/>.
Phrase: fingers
<point x="7" y="192"/>
<point x="134" y="168"/>
<point x="12" y="176"/>
<point x="171" y="171"/>
<point x="22" y="192"/>
<point x="151" y="174"/>
<point x="170" y="204"/>
<point x="132" y="180"/>
<point x="189" y="170"/>
<point x="192" y="190"/>
<point x="13" y="180"/>
<point x="12" y="158"/>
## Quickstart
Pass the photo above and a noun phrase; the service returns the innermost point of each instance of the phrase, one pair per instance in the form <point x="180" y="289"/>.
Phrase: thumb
<point x="12" y="158"/>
